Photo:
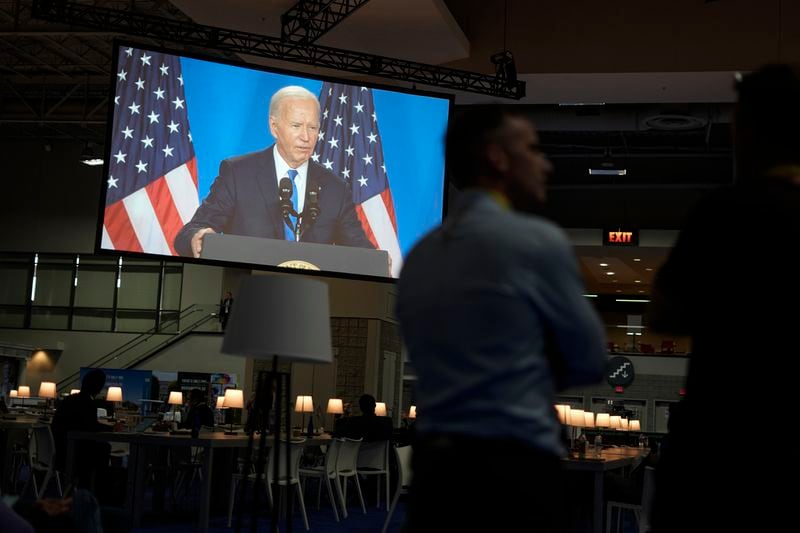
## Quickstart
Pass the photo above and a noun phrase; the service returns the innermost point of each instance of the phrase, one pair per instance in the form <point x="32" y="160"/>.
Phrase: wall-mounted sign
<point x="619" y="371"/>
<point x="620" y="237"/>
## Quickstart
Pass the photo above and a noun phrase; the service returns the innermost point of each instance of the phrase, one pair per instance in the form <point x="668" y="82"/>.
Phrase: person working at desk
<point x="78" y="412"/>
<point x="368" y="426"/>
<point x="199" y="414"/>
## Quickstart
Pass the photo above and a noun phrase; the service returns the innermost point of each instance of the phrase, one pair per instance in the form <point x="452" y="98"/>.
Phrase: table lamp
<point x="234" y="399"/>
<point x="276" y="317"/>
<point x="175" y="398"/>
<point x="23" y="391"/>
<point x="305" y="404"/>
<point x="13" y="393"/>
<point x="335" y="408"/>
<point x="412" y="412"/>
<point x="47" y="390"/>
<point x="114" y="395"/>
<point x="380" y="409"/>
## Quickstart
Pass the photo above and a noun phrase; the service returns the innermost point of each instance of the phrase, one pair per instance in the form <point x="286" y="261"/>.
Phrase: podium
<point x="290" y="254"/>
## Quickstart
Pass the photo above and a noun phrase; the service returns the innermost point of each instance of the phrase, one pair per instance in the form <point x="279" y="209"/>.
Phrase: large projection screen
<point x="193" y="151"/>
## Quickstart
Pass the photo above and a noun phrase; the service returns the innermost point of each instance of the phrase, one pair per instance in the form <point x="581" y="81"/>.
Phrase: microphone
<point x="285" y="188"/>
<point x="311" y="211"/>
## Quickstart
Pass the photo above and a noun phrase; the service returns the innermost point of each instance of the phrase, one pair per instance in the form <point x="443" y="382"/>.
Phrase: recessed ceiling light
<point x="603" y="264"/>
<point x="636" y="259"/>
<point x="609" y="273"/>
<point x="641" y="292"/>
<point x="619" y="290"/>
<point x="649" y="269"/>
<point x="637" y="281"/>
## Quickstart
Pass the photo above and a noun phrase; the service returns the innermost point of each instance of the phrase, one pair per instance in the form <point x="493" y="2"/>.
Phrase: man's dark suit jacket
<point x="244" y="201"/>
<point x="367" y="427"/>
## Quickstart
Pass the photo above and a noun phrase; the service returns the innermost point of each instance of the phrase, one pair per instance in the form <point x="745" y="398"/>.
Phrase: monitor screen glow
<point x="194" y="150"/>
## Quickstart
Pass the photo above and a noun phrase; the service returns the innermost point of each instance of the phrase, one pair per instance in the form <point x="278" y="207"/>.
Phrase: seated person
<point x="368" y="426"/>
<point x="78" y="412"/>
<point x="199" y="414"/>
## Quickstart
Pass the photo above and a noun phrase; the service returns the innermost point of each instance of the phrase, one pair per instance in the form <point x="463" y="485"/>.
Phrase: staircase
<point x="149" y="344"/>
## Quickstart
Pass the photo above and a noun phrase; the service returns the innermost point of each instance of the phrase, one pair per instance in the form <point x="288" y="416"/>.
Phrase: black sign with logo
<point x="619" y="371"/>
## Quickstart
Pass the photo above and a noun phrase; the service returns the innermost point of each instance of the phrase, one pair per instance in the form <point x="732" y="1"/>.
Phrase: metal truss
<point x="239" y="42"/>
<point x="308" y="20"/>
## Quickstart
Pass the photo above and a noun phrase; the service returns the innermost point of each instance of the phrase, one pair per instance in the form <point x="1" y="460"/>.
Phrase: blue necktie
<point x="292" y="174"/>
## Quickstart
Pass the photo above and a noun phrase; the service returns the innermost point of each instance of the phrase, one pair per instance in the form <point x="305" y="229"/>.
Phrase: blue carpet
<point x="318" y="521"/>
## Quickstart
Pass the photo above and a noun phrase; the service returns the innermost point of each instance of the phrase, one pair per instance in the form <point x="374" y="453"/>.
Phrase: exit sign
<point x="620" y="237"/>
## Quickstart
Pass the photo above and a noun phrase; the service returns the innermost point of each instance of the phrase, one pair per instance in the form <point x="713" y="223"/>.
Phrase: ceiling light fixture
<point x="610" y="273"/>
<point x="632" y="300"/>
<point x="89" y="157"/>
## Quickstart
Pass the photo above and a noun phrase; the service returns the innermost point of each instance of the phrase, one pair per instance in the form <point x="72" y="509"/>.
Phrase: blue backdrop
<point x="228" y="108"/>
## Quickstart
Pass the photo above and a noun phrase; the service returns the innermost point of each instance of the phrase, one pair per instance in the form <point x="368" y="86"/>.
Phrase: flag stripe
<point x="120" y="230"/>
<point x="362" y="217"/>
<point x="165" y="210"/>
<point x="105" y="241"/>
<point x="383" y="229"/>
<point x="145" y="223"/>
<point x="183" y="189"/>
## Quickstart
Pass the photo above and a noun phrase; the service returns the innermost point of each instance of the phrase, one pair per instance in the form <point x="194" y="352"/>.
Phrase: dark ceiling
<point x="54" y="85"/>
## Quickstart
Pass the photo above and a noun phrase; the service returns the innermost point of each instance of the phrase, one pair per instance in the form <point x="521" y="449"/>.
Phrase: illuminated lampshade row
<point x="623" y="424"/>
<point x="24" y="391"/>
<point x="335" y="406"/>
<point x="234" y="398"/>
<point x="175" y="398"/>
<point x="380" y="409"/>
<point x="613" y="422"/>
<point x="304" y="404"/>
<point x="602" y="420"/>
<point x="412" y="412"/>
<point x="74" y="391"/>
<point x="13" y="393"/>
<point x="588" y="419"/>
<point x="562" y="413"/>
<point x="577" y="418"/>
<point x="114" y="394"/>
<point x="634" y="425"/>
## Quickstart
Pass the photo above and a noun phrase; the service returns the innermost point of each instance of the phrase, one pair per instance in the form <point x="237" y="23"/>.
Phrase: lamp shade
<point x="284" y="316"/>
<point x="175" y="398"/>
<point x="577" y="418"/>
<point x="304" y="404"/>
<point x="602" y="420"/>
<point x="220" y="402"/>
<point x="114" y="394"/>
<point x="47" y="389"/>
<point x="74" y="391"/>
<point x="613" y="422"/>
<point x="635" y="425"/>
<point x="380" y="409"/>
<point x="623" y="422"/>
<point x="412" y="411"/>
<point x="13" y="393"/>
<point x="335" y="406"/>
<point x="588" y="417"/>
<point x="234" y="398"/>
<point x="24" y="391"/>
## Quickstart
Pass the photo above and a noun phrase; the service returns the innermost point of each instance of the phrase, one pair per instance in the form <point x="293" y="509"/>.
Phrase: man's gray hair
<point x="291" y="91"/>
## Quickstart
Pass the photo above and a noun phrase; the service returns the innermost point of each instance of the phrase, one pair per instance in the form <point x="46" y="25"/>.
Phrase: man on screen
<point x="277" y="193"/>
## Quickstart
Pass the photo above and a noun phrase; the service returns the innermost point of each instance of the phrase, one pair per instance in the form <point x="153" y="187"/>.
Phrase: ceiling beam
<point x="273" y="48"/>
<point x="308" y="20"/>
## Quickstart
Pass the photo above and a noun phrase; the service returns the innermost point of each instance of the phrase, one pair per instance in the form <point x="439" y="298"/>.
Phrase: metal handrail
<point x="133" y="343"/>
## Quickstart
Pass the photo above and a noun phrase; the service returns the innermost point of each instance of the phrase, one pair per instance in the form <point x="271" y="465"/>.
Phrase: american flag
<point x="349" y="145"/>
<point x="151" y="190"/>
